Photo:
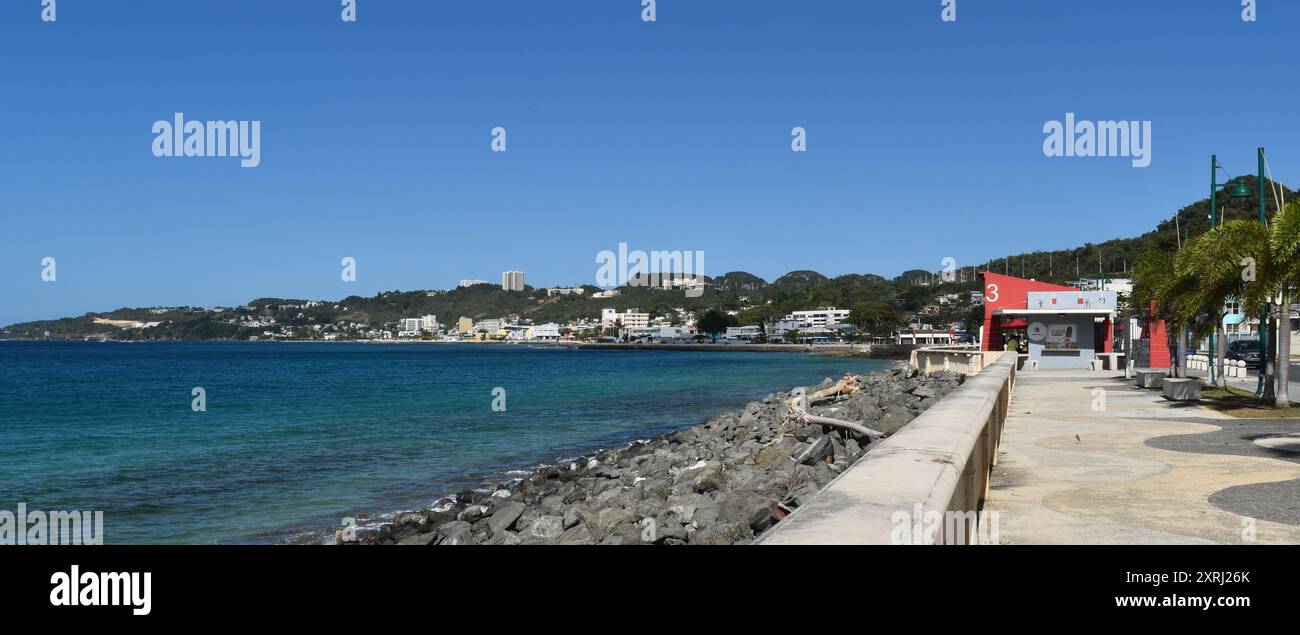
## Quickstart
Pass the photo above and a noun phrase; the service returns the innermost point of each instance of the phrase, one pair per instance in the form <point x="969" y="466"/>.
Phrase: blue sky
<point x="924" y="137"/>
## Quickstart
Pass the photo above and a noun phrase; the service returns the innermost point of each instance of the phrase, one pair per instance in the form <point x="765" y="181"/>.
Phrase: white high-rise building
<point x="512" y="281"/>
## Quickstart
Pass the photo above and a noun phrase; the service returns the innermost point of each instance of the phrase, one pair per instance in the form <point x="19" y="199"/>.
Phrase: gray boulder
<point x="457" y="532"/>
<point x="505" y="516"/>
<point x="426" y="538"/>
<point x="546" y="528"/>
<point x="817" y="451"/>
<point x="704" y="476"/>
<point x="721" y="533"/>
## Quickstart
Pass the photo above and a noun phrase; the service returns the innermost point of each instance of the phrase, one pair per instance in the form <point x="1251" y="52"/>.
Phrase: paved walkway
<point x="1087" y="458"/>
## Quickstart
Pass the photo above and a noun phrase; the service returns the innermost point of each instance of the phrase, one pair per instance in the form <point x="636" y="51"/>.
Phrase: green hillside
<point x="751" y="297"/>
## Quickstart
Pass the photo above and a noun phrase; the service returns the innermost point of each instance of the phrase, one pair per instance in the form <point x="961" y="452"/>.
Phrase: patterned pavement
<point x="1088" y="458"/>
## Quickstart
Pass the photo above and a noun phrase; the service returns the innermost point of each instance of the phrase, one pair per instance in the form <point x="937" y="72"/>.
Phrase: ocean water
<point x="297" y="436"/>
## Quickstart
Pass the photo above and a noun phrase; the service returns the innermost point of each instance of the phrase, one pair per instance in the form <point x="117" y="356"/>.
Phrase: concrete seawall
<point x="940" y="462"/>
<point x="864" y="350"/>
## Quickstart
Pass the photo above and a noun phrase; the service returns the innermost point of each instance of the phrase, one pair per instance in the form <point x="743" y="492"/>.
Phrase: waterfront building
<point x="409" y="327"/>
<point x="826" y="316"/>
<point x="742" y="333"/>
<point x="549" y="332"/>
<point x="628" y="319"/>
<point x="464" y="324"/>
<point x="661" y="334"/>
<point x="776" y="329"/>
<point x="925" y="337"/>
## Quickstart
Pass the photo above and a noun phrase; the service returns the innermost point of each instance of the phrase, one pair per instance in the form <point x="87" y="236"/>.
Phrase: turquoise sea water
<point x="297" y="436"/>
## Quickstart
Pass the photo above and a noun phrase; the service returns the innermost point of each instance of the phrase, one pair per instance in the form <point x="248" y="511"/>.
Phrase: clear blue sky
<point x="925" y="138"/>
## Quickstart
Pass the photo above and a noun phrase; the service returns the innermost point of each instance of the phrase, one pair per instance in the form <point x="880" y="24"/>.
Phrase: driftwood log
<point x="847" y="385"/>
<point x="796" y="410"/>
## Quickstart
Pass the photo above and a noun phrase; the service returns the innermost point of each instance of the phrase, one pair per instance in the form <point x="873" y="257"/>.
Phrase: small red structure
<point x="1155" y="338"/>
<point x="1009" y="292"/>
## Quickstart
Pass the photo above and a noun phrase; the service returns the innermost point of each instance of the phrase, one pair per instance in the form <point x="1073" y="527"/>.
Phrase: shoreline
<point x="876" y="351"/>
<point x="724" y="481"/>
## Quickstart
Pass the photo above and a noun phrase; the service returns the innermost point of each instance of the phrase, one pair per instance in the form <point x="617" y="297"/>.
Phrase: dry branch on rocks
<point x="796" y="410"/>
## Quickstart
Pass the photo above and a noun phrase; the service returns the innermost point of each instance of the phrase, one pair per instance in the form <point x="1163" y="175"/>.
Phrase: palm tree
<point x="1210" y="271"/>
<point x="1192" y="287"/>
<point x="1274" y="288"/>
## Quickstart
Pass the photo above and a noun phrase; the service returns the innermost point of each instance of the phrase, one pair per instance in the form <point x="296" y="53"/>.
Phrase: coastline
<point x="876" y="351"/>
<point x="724" y="481"/>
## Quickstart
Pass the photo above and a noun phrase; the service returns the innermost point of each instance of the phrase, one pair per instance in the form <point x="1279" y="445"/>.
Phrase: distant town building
<point x="742" y="333"/>
<point x="512" y="281"/>
<point x="546" y="332"/>
<point x="429" y="323"/>
<point x="819" y="334"/>
<point x="609" y="293"/>
<point x="409" y="327"/>
<point x="1118" y="285"/>
<point x="470" y="283"/>
<point x="628" y="319"/>
<point x="828" y="316"/>
<point x="923" y="337"/>
<point x="554" y="291"/>
<point x="133" y="324"/>
<point x="777" y="329"/>
<point x="464" y="324"/>
<point x="678" y="281"/>
<point x="661" y="334"/>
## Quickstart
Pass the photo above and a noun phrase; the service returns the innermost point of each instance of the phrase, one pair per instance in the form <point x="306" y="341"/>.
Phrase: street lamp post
<point x="1266" y="354"/>
<point x="1240" y="190"/>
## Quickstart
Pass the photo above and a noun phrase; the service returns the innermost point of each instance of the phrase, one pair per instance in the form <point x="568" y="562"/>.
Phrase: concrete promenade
<point x="1088" y="458"/>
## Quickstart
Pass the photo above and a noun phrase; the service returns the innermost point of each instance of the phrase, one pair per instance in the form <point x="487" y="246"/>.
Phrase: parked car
<point x="1245" y="350"/>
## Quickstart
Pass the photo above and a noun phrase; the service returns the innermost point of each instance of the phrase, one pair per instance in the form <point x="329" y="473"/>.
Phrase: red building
<point x="1008" y="293"/>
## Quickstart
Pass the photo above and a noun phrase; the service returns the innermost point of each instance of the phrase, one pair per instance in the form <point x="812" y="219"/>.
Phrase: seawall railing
<point x="959" y="359"/>
<point x="936" y="468"/>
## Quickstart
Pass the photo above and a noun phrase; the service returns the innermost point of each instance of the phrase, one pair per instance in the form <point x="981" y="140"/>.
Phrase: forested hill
<point x="1117" y="256"/>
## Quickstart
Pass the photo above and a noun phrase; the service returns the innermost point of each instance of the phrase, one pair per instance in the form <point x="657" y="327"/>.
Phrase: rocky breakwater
<point x="721" y="482"/>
